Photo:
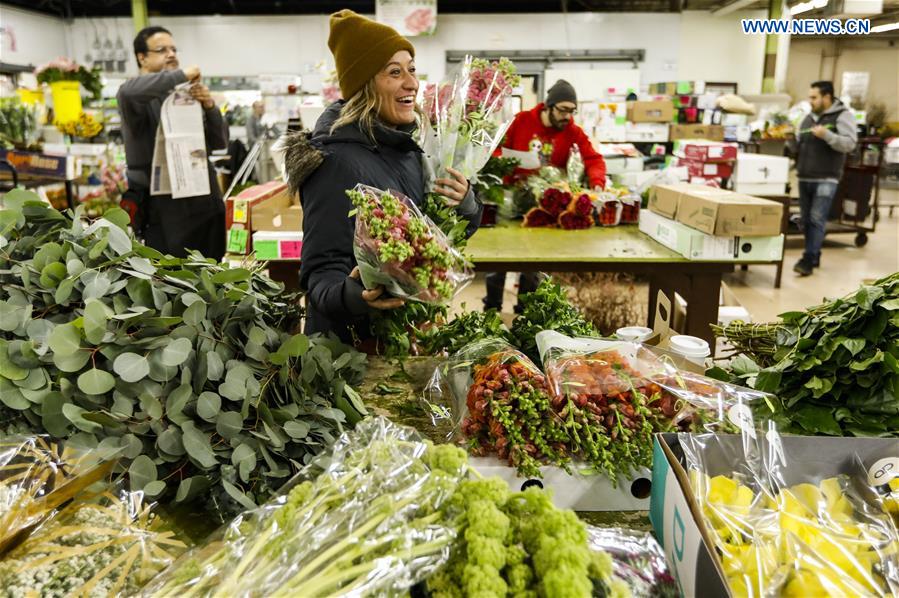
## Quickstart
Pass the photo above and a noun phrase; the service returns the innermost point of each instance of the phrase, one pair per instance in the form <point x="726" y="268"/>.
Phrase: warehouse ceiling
<point x="122" y="8"/>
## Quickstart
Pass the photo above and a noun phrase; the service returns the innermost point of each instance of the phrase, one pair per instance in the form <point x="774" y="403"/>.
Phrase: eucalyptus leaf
<point x="197" y="445"/>
<point x="234" y="492"/>
<point x="65" y="340"/>
<point x="95" y="319"/>
<point x="131" y="367"/>
<point x="95" y="382"/>
<point x="141" y="472"/>
<point x="176" y="352"/>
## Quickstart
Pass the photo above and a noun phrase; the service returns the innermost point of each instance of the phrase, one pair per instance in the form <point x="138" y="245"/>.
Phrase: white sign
<point x="408" y="17"/>
<point x="180" y="163"/>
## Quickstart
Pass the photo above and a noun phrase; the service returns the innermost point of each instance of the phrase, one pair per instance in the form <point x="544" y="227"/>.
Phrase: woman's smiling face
<point x="397" y="86"/>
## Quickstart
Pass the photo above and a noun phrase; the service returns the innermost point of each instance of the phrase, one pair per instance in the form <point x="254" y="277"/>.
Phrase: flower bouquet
<point x="468" y="116"/>
<point x="65" y="69"/>
<point x="398" y="247"/>
<point x="563" y="205"/>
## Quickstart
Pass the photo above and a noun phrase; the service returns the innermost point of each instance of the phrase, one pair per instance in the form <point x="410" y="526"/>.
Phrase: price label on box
<point x="240" y="210"/>
<point x="291" y="250"/>
<point x="237" y="240"/>
<point x="266" y="250"/>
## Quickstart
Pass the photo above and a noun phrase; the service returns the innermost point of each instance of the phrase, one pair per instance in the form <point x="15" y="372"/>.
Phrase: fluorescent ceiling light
<point x="807" y="6"/>
<point x="887" y="27"/>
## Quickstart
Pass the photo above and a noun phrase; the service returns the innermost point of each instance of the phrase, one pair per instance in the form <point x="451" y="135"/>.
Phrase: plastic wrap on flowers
<point x="609" y="209"/>
<point x="575" y="167"/>
<point x="785" y="522"/>
<point x="399" y="248"/>
<point x="37" y="476"/>
<point x="615" y="378"/>
<point x="469" y="115"/>
<point x="638" y="560"/>
<point x="881" y="473"/>
<point x="108" y="543"/>
<point x="364" y="524"/>
<point x="630" y="208"/>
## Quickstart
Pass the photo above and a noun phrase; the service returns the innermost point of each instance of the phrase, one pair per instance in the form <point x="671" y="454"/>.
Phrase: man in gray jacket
<point x="169" y="225"/>
<point x="826" y="135"/>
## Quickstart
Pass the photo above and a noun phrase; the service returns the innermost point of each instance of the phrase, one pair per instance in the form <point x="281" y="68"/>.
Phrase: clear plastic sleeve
<point x="38" y="475"/>
<point x="362" y="523"/>
<point x="401" y="249"/>
<point x="638" y="560"/>
<point x="613" y="378"/>
<point x="104" y="543"/>
<point x="630" y="208"/>
<point x="786" y="519"/>
<point x="469" y="115"/>
<point x="608" y="208"/>
<point x="575" y="167"/>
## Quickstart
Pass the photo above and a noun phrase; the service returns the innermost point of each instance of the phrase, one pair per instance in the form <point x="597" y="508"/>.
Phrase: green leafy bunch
<point x="547" y="308"/>
<point x="67" y="70"/>
<point x="18" y="123"/>
<point x="183" y="367"/>
<point x="834" y="368"/>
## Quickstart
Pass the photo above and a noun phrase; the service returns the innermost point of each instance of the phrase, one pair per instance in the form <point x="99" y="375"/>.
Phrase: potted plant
<point x="65" y="78"/>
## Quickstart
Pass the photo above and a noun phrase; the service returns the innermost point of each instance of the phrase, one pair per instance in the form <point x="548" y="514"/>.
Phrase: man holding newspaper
<point x="173" y="196"/>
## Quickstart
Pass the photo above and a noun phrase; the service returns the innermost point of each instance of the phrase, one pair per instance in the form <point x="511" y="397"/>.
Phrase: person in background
<point x="366" y="138"/>
<point x="171" y="226"/>
<point x="549" y="129"/>
<point x="824" y="138"/>
<point x="255" y="128"/>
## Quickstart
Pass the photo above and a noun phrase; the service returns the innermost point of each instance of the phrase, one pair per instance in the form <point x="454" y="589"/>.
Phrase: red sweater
<point x="527" y="127"/>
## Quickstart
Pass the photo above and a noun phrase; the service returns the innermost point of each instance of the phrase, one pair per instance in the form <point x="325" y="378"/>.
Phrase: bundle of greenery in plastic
<point x="183" y="367"/>
<point x="389" y="511"/>
<point x="369" y="524"/>
<point x="109" y="543"/>
<point x="834" y="367"/>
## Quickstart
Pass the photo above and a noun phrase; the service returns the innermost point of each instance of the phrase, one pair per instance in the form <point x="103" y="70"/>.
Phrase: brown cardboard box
<point x="710" y="132"/>
<point x="277" y="213"/>
<point x="730" y="214"/>
<point x="668" y="88"/>
<point x="665" y="199"/>
<point x="657" y="111"/>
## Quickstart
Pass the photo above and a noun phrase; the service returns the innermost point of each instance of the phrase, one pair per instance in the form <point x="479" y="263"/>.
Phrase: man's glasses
<point x="164" y="50"/>
<point x="565" y="111"/>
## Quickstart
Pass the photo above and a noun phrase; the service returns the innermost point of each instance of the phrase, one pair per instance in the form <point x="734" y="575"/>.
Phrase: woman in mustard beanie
<point x="365" y="138"/>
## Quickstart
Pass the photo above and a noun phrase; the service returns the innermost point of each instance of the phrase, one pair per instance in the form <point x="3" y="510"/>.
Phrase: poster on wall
<point x="408" y="17"/>
<point x="855" y="85"/>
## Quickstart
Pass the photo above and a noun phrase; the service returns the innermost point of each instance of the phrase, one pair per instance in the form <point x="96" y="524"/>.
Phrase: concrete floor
<point x="843" y="268"/>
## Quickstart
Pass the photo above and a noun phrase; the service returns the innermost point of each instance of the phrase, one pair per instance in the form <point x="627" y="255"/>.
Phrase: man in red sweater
<point x="550" y="131"/>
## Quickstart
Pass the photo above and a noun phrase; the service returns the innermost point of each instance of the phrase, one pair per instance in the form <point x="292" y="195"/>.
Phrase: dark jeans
<point x="496" y="282"/>
<point x="815" y="200"/>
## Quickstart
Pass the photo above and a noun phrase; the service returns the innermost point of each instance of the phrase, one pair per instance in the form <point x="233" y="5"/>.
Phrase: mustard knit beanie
<point x="361" y="47"/>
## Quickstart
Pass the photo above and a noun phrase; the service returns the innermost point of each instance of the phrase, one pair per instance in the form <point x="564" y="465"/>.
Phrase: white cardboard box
<point x="760" y="168"/>
<point x="610" y="133"/>
<point x="575" y="491"/>
<point x="620" y="165"/>
<point x="647" y="132"/>
<point x="761" y="189"/>
<point x="696" y="245"/>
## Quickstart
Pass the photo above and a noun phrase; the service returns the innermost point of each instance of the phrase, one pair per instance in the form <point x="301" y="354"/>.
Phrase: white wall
<point x="715" y="49"/>
<point x="691" y="45"/>
<point x="39" y="38"/>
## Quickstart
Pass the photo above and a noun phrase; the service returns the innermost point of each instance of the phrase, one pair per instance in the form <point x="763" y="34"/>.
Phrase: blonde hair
<point x="362" y="108"/>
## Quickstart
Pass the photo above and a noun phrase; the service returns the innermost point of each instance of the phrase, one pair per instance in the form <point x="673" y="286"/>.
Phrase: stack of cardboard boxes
<point x="759" y="174"/>
<point x="708" y="162"/>
<point x="705" y="223"/>
<point x="647" y="121"/>
<point x="265" y="220"/>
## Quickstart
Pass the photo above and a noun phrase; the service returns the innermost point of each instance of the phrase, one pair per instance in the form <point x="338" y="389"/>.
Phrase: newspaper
<point x="180" y="164"/>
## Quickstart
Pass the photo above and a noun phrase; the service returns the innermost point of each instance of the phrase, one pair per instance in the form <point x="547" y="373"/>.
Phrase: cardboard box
<point x="702" y="181"/>
<point x="646" y="132"/>
<point x="606" y="133"/>
<point x="696" y="245"/>
<point x="730" y="214"/>
<point x="740" y="133"/>
<point x="666" y="89"/>
<point x="676" y="516"/>
<point x="665" y="199"/>
<point x="612" y="113"/>
<point x="271" y="245"/>
<point x="709" y="132"/>
<point x="575" y="491"/>
<point x="655" y="111"/>
<point x="759" y="168"/>
<point x="706" y="151"/>
<point x="634" y="179"/>
<point x="267" y="207"/>
<point x="707" y="169"/>
<point x="761" y="189"/>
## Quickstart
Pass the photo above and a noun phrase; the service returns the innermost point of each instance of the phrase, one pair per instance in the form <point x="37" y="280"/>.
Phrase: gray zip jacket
<point x="823" y="159"/>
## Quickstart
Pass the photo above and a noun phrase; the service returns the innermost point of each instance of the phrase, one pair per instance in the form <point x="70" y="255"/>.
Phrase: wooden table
<point x="509" y="247"/>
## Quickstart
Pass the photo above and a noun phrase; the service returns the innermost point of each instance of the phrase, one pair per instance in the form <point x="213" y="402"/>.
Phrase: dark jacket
<point x="823" y="159"/>
<point x="171" y="225"/>
<point x="323" y="167"/>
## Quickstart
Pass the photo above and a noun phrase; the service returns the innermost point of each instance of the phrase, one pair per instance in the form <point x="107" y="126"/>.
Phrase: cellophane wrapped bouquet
<point x="400" y="248"/>
<point x="469" y="115"/>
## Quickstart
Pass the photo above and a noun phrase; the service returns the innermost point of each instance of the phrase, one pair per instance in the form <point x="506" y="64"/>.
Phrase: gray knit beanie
<point x="562" y="91"/>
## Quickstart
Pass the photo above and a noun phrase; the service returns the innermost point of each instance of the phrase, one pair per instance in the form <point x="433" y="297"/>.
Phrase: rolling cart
<point x="855" y="207"/>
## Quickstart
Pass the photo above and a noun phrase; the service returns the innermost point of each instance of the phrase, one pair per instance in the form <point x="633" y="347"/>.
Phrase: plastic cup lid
<point x="633" y="333"/>
<point x="689" y="345"/>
